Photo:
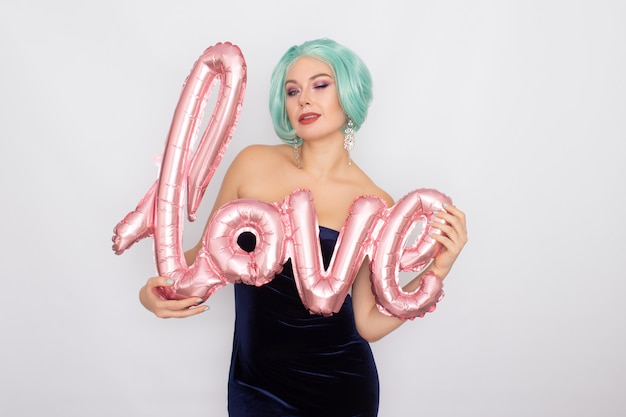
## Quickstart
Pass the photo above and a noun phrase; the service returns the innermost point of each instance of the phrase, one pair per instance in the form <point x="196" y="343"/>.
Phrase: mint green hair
<point x="352" y="77"/>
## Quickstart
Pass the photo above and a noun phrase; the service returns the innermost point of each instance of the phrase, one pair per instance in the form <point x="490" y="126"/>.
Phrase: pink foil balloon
<point x="282" y="230"/>
<point x="159" y="213"/>
<point x="323" y="291"/>
<point x="388" y="259"/>
<point x="259" y="266"/>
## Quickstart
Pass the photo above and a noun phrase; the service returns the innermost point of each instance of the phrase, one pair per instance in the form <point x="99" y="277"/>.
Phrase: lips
<point x="308" y="118"/>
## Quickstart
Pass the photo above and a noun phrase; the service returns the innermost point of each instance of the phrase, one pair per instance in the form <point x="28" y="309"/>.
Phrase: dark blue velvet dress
<point x="287" y="362"/>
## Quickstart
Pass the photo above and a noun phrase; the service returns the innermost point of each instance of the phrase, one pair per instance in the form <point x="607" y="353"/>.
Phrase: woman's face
<point x="312" y="102"/>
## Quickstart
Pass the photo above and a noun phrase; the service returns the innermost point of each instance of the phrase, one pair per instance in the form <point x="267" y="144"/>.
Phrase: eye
<point x="292" y="91"/>
<point x="320" y="85"/>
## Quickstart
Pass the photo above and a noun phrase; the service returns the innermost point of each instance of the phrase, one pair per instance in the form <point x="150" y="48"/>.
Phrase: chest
<point x="332" y="201"/>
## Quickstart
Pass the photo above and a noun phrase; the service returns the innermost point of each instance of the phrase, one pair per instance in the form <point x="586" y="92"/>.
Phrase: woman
<point x="285" y="361"/>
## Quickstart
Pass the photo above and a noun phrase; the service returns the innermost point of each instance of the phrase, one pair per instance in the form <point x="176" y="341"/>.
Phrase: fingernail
<point x="207" y="308"/>
<point x="170" y="281"/>
<point x="446" y="204"/>
<point x="199" y="300"/>
<point x="436" y="212"/>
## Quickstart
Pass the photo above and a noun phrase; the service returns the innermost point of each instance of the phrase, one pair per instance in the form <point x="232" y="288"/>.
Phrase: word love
<point x="283" y="231"/>
<point x="290" y="231"/>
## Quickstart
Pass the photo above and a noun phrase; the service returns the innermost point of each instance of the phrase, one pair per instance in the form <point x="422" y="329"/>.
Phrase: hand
<point x="453" y="238"/>
<point x="149" y="297"/>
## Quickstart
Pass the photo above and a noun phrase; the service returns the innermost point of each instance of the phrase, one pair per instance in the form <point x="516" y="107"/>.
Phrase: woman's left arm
<point x="374" y="325"/>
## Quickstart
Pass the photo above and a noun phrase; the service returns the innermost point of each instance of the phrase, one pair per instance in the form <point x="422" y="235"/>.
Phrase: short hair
<point x="352" y="77"/>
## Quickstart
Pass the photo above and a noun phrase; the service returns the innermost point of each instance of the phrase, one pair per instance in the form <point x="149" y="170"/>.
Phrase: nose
<point x="304" y="99"/>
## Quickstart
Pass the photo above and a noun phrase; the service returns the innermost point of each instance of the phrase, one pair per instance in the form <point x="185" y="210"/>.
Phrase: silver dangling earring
<point x="348" y="139"/>
<point x="296" y="153"/>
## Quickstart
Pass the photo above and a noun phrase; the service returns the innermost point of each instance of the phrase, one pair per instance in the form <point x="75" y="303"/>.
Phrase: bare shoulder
<point x="384" y="196"/>
<point x="375" y="190"/>
<point x="261" y="172"/>
<point x="252" y="158"/>
<point x="371" y="188"/>
<point x="248" y="163"/>
<point x="258" y="155"/>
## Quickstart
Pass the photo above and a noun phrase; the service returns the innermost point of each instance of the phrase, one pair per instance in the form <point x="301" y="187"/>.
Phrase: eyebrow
<point x="322" y="74"/>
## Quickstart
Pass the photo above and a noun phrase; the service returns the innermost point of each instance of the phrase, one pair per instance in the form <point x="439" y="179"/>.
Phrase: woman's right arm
<point x="165" y="309"/>
<point x="149" y="293"/>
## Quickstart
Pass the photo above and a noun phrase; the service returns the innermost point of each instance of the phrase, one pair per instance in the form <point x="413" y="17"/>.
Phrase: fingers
<point x="159" y="282"/>
<point x="188" y="307"/>
<point x="454" y="229"/>
<point x="454" y="216"/>
<point x="453" y="238"/>
<point x="162" y="308"/>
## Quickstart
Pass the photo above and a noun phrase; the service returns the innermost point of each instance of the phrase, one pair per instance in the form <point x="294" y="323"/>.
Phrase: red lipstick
<point x="308" y="118"/>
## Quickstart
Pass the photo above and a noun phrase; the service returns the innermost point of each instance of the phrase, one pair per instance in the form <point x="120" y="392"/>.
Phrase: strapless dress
<point x="287" y="362"/>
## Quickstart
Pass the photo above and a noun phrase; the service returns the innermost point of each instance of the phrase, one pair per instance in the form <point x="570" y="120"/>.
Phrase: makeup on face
<point x="312" y="99"/>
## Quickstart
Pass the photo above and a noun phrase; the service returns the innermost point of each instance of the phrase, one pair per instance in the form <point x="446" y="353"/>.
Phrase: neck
<point x="324" y="158"/>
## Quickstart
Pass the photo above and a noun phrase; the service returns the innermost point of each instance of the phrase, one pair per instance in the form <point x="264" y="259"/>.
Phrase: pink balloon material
<point x="286" y="230"/>
<point x="159" y="213"/>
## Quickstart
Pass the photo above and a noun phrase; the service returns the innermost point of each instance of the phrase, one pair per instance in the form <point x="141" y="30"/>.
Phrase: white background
<point x="516" y="109"/>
